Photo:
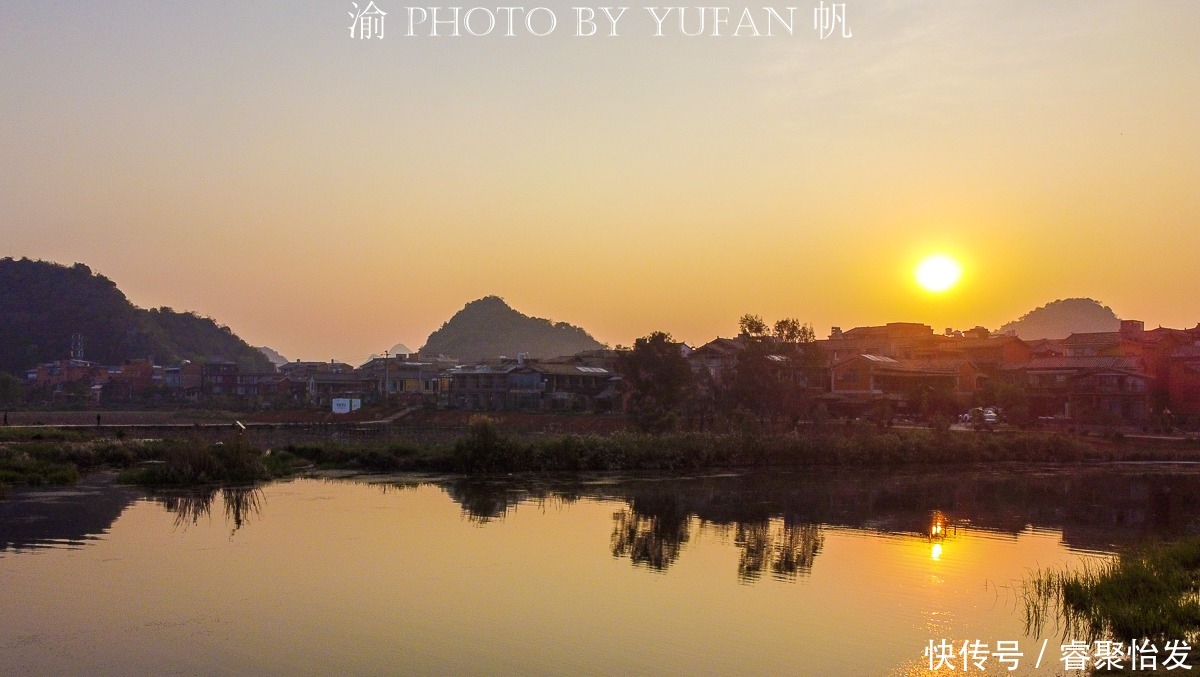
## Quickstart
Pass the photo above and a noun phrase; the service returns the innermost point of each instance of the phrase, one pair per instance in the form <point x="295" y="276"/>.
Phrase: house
<point x="584" y="395"/>
<point x="66" y="371"/>
<point x="184" y="380"/>
<point x="897" y="340"/>
<point x="991" y="354"/>
<point x="324" y="387"/>
<point x="137" y="375"/>
<point x="280" y="388"/>
<point x="1046" y="348"/>
<point x="1086" y="387"/>
<point x="1184" y="381"/>
<point x="496" y="387"/>
<point x="219" y="378"/>
<point x="717" y="357"/>
<point x="525" y="384"/>
<point x="1152" y="350"/>
<point x="133" y="379"/>
<point x="406" y="378"/>
<point x="300" y="369"/>
<point x="860" y="381"/>
<point x="605" y="358"/>
<point x="575" y="387"/>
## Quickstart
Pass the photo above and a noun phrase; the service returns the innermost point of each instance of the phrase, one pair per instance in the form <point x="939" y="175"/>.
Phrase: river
<point x="788" y="572"/>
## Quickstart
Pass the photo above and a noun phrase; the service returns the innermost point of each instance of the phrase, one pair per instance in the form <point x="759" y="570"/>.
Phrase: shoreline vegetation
<point x="53" y="456"/>
<point x="1146" y="593"/>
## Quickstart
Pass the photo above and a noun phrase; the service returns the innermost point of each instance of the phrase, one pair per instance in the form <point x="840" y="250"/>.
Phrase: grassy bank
<point x="1150" y="592"/>
<point x="46" y="457"/>
<point x="50" y="456"/>
<point x="485" y="449"/>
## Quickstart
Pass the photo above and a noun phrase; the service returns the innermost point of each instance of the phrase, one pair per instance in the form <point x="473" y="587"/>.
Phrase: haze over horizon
<point x="330" y="197"/>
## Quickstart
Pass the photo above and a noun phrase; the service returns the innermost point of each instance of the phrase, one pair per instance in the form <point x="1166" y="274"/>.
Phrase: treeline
<point x="42" y="304"/>
<point x="772" y="381"/>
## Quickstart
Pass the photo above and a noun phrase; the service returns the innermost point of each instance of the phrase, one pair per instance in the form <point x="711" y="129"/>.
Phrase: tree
<point x="753" y="326"/>
<point x="658" y="379"/>
<point x="754" y="382"/>
<point x="11" y="390"/>
<point x="774" y="369"/>
<point x="789" y="330"/>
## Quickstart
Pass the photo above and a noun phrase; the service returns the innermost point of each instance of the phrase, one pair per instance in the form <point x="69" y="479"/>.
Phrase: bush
<point x="36" y="472"/>
<point x="484" y="450"/>
<point x="194" y="463"/>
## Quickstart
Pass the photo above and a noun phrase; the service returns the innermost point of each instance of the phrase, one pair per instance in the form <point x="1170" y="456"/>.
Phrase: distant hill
<point x="42" y="304"/>
<point x="273" y="355"/>
<point x="489" y="328"/>
<point x="398" y="349"/>
<point x="1064" y="317"/>
<point x="395" y="351"/>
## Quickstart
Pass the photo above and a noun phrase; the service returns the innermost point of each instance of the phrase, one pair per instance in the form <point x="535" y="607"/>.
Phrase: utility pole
<point x="385" y="375"/>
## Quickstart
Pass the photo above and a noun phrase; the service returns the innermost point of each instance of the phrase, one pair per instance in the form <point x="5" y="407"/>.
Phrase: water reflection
<point x="62" y="517"/>
<point x="647" y="539"/>
<point x="784" y="549"/>
<point x="777" y="520"/>
<point x="485" y="501"/>
<point x="938" y="526"/>
<point x="840" y="572"/>
<point x="240" y="503"/>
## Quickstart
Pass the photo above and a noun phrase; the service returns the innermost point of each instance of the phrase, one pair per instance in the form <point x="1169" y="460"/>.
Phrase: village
<point x="1133" y="376"/>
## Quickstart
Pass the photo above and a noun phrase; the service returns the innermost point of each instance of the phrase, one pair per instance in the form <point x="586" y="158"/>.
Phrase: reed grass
<point x="1149" y="592"/>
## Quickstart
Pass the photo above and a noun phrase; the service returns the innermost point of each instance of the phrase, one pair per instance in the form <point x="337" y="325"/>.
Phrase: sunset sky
<point x="329" y="196"/>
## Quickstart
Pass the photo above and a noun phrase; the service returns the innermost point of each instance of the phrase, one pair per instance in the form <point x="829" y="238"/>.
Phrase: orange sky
<point x="330" y="197"/>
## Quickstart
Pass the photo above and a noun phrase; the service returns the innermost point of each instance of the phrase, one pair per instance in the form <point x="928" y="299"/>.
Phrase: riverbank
<point x="59" y="456"/>
<point x="1146" y="595"/>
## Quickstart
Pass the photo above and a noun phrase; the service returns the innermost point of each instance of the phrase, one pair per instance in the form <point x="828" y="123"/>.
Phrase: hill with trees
<point x="489" y="328"/>
<point x="1064" y="317"/>
<point x="42" y="304"/>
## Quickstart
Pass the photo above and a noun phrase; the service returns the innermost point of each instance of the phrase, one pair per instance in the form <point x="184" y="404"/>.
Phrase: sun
<point x="938" y="272"/>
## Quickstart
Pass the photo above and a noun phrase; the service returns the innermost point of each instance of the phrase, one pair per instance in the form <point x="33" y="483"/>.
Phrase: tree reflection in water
<point x="240" y="504"/>
<point x="652" y="530"/>
<point x="483" y="501"/>
<point x="647" y="540"/>
<point x="778" y="519"/>
<point x="188" y="507"/>
<point x="785" y="549"/>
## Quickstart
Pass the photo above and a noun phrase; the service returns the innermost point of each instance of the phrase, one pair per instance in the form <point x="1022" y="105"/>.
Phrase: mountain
<point x="395" y="351"/>
<point x="42" y="304"/>
<point x="1064" y="317"/>
<point x="273" y="355"/>
<point x="488" y="328"/>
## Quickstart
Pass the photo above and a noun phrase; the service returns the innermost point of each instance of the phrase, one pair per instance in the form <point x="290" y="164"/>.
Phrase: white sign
<point x="345" y="405"/>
